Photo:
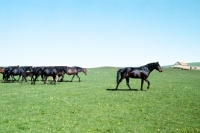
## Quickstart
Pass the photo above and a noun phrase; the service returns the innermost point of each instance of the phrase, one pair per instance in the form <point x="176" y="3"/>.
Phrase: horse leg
<point x="142" y="81"/>
<point x="3" y="78"/>
<point x="54" y="79"/>
<point x="13" y="78"/>
<point x="24" y="77"/>
<point x="19" y="78"/>
<point x="7" y="77"/>
<point x="72" y="77"/>
<point x="45" y="79"/>
<point x="78" y="77"/>
<point x="57" y="78"/>
<point x="148" y="83"/>
<point x="36" y="76"/>
<point x="118" y="82"/>
<point x="42" y="77"/>
<point x="127" y="82"/>
<point x="62" y="78"/>
<point x="32" y="79"/>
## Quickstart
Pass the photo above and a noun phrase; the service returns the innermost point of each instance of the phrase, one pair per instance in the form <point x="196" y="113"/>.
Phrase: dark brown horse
<point x="29" y="74"/>
<point x="137" y="72"/>
<point x="75" y="70"/>
<point x="2" y="70"/>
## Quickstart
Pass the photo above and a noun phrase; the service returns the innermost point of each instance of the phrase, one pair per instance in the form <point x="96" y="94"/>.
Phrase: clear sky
<point x="91" y="33"/>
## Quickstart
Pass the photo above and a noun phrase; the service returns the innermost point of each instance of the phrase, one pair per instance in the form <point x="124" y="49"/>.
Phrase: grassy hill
<point x="194" y="64"/>
<point x="189" y="64"/>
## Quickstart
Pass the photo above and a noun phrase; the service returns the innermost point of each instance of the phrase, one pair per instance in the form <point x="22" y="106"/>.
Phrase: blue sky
<point x="91" y="33"/>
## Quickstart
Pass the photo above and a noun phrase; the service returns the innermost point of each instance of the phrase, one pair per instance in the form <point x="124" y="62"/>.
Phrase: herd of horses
<point x="141" y="72"/>
<point x="56" y="72"/>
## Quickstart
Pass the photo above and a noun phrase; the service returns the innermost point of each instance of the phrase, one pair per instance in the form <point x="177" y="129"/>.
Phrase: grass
<point x="171" y="105"/>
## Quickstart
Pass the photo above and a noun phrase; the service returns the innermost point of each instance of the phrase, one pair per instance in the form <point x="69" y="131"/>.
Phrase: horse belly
<point x="71" y="71"/>
<point x="135" y="75"/>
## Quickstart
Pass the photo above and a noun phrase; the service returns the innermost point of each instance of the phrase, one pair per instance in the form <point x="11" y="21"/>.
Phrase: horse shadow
<point x="122" y="90"/>
<point x="70" y="81"/>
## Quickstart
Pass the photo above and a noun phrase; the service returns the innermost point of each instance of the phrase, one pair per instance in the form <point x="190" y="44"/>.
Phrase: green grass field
<point x="171" y="105"/>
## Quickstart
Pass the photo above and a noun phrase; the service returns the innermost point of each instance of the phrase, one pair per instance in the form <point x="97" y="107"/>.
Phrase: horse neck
<point x="82" y="70"/>
<point x="150" y="67"/>
<point x="79" y="69"/>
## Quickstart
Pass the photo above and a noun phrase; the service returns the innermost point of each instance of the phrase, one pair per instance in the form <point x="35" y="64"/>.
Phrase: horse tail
<point x="118" y="74"/>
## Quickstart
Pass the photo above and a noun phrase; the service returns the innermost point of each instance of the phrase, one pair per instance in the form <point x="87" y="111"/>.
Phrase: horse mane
<point x="151" y="66"/>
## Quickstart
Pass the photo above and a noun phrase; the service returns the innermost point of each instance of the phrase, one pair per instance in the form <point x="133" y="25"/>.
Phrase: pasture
<point x="172" y="104"/>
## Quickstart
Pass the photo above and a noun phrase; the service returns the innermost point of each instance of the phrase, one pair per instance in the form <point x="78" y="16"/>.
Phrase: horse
<point x="61" y="72"/>
<point x="75" y="70"/>
<point x="142" y="73"/>
<point x="36" y="71"/>
<point x="51" y="71"/>
<point x="21" y="71"/>
<point x="2" y="70"/>
<point x="7" y="71"/>
<point x="29" y="74"/>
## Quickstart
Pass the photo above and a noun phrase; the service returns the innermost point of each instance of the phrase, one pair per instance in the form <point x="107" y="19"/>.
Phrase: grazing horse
<point x="137" y="72"/>
<point x="75" y="70"/>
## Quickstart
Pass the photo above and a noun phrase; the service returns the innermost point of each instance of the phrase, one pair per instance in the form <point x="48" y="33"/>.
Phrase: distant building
<point x="181" y="65"/>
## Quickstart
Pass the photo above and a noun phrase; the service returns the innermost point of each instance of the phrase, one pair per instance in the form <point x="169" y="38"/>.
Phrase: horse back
<point x="49" y="71"/>
<point x="71" y="70"/>
<point x="138" y="72"/>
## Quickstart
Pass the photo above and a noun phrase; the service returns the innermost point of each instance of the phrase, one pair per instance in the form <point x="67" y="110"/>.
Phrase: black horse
<point x="137" y="72"/>
<point x="7" y="71"/>
<point x="36" y="71"/>
<point x="21" y="71"/>
<point x="51" y="71"/>
<point x="75" y="70"/>
<point x="61" y="72"/>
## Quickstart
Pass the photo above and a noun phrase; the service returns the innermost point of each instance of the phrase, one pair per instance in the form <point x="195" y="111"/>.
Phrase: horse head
<point x="85" y="71"/>
<point x="158" y="67"/>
